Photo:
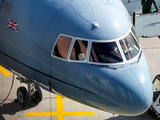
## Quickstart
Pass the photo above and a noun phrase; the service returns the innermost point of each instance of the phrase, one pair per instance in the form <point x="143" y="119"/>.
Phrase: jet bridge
<point x="146" y="25"/>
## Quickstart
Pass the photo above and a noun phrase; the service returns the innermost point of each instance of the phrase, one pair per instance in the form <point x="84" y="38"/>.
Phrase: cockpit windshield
<point x="134" y="33"/>
<point x="129" y="46"/>
<point x="105" y="53"/>
<point x="101" y="52"/>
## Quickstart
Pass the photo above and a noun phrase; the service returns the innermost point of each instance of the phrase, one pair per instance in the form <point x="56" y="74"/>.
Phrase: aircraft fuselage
<point x="30" y="42"/>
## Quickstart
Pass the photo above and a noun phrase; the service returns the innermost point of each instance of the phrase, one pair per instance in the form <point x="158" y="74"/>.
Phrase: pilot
<point x="127" y="49"/>
<point x="147" y="6"/>
<point x="124" y="46"/>
<point x="81" y="56"/>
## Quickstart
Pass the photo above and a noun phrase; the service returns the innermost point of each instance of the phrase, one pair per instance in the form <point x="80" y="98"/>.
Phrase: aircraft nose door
<point x="131" y="89"/>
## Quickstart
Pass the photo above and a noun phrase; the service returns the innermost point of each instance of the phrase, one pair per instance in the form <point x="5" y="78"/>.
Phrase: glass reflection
<point x="105" y="53"/>
<point x="129" y="46"/>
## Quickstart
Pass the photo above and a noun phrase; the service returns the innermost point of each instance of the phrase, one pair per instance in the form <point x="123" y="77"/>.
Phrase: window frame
<point x="106" y="41"/>
<point x="90" y="41"/>
<point x="131" y="34"/>
<point x="54" y="56"/>
<point x="119" y="47"/>
<point x="140" y="49"/>
<point x="87" y="52"/>
<point x="134" y="34"/>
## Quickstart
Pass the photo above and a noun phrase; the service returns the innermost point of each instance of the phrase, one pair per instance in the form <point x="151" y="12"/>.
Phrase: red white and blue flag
<point x="12" y="25"/>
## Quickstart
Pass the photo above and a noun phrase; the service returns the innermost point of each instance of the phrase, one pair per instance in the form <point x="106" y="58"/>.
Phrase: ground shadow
<point x="13" y="107"/>
<point x="146" y="116"/>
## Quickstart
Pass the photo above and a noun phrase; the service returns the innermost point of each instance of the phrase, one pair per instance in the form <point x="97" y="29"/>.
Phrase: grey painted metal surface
<point x="1" y="3"/>
<point x="12" y="110"/>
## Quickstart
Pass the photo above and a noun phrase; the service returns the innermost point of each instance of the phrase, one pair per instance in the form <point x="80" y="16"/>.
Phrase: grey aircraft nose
<point x="131" y="91"/>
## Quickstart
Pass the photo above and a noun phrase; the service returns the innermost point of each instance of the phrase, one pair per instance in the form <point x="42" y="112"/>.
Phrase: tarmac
<point x="54" y="107"/>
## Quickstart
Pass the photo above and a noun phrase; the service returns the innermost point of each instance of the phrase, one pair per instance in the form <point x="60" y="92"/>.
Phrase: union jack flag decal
<point x="12" y="25"/>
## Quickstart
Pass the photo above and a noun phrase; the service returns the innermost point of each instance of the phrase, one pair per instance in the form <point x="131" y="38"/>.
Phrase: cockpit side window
<point x="133" y="31"/>
<point x="62" y="47"/>
<point x="129" y="46"/>
<point x="79" y="50"/>
<point x="105" y="53"/>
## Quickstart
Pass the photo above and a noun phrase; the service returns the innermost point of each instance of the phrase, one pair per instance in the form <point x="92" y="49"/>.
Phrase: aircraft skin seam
<point x="81" y="14"/>
<point x="1" y="5"/>
<point x="45" y="73"/>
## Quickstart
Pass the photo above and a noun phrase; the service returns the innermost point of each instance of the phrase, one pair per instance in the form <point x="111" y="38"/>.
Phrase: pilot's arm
<point x="156" y="5"/>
